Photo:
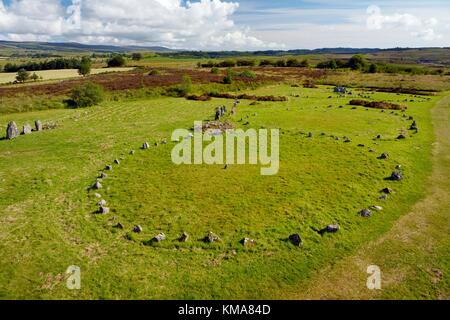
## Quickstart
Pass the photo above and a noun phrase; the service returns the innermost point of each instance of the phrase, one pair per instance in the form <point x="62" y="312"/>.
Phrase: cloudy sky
<point x="230" y="24"/>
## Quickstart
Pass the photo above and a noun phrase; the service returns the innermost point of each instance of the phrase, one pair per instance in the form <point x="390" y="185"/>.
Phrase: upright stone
<point x="12" y="131"/>
<point x="38" y="125"/>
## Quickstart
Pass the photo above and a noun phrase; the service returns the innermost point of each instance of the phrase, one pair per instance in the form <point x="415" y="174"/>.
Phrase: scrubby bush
<point x="227" y="64"/>
<point x="86" y="95"/>
<point x="246" y="63"/>
<point x="215" y="70"/>
<point x="154" y="72"/>
<point x="116" y="61"/>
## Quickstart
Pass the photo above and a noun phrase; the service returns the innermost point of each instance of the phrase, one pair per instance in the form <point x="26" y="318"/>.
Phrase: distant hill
<point x="11" y="46"/>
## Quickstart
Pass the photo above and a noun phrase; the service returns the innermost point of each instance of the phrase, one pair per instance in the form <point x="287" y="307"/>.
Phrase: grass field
<point x="59" y="74"/>
<point x="47" y="220"/>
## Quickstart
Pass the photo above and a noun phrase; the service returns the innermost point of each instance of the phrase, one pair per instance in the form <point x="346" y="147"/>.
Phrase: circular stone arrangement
<point x="210" y="237"/>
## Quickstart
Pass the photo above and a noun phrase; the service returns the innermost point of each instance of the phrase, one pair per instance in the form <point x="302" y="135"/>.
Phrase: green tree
<point x="87" y="95"/>
<point x="373" y="68"/>
<point x="22" y="75"/>
<point x="137" y="56"/>
<point x="116" y="61"/>
<point x="85" y="66"/>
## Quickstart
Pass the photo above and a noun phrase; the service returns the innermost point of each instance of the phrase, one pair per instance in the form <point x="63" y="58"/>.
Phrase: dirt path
<point x="414" y="256"/>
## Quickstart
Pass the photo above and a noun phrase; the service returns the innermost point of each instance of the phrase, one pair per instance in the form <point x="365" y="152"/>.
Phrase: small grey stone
<point x="132" y="152"/>
<point x="159" y="238"/>
<point x="145" y="146"/>
<point x="101" y="203"/>
<point x="366" y="213"/>
<point x="383" y="156"/>
<point x="332" y="228"/>
<point x="184" y="237"/>
<point x="98" y="195"/>
<point x="108" y="168"/>
<point x="38" y="125"/>
<point x="137" y="229"/>
<point x="378" y="208"/>
<point x="12" y="131"/>
<point x="97" y="186"/>
<point x="27" y="129"/>
<point x="117" y="161"/>
<point x="296" y="240"/>
<point x="104" y="210"/>
<point x="119" y="226"/>
<point x="401" y="137"/>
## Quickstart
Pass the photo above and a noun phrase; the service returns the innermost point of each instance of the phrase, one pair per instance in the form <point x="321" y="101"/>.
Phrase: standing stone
<point x="38" y="125"/>
<point x="145" y="146"/>
<point x="27" y="129"/>
<point x="11" y="131"/>
<point x="295" y="239"/>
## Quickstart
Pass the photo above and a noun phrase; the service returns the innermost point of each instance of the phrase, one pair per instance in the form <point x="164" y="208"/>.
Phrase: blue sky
<point x="239" y="24"/>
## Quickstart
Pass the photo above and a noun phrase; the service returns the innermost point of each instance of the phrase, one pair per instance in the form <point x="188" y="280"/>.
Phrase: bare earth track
<point x="413" y="254"/>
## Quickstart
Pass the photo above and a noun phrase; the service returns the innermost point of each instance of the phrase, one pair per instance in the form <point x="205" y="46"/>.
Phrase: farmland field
<point x="329" y="172"/>
<point x="59" y="74"/>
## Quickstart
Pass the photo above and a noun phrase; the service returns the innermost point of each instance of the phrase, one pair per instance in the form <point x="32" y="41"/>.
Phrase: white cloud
<point x="206" y="24"/>
<point x="418" y="27"/>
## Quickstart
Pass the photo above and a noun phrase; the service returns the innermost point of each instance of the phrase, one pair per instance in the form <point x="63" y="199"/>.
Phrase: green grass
<point x="46" y="210"/>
